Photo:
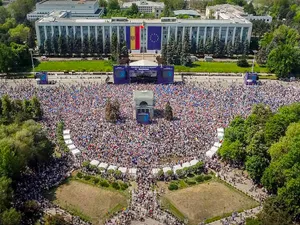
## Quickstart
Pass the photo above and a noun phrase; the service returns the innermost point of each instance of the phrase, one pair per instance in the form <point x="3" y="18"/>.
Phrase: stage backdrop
<point x="154" y="38"/>
<point x="133" y="37"/>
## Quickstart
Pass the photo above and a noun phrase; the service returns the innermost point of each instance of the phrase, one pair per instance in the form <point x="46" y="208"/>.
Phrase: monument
<point x="143" y="106"/>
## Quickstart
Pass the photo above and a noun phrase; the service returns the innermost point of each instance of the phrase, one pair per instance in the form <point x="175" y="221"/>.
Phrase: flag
<point x="154" y="38"/>
<point x="133" y="37"/>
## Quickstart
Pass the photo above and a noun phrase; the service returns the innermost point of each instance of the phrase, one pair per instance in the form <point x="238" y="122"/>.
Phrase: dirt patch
<point x="88" y="200"/>
<point x="208" y="200"/>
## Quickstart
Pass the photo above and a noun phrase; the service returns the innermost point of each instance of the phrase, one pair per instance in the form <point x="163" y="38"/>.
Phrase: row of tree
<point x="266" y="144"/>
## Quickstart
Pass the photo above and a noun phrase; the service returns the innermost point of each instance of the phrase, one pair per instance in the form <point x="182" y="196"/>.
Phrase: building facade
<point x="144" y="35"/>
<point x="77" y="8"/>
<point x="145" y="6"/>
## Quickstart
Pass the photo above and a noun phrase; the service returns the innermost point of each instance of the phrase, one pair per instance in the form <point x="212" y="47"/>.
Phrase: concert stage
<point x="143" y="71"/>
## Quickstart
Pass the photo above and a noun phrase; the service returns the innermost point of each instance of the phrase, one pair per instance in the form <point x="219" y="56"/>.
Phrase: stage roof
<point x="143" y="63"/>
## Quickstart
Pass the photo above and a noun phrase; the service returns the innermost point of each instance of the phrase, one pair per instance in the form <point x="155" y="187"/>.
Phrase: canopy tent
<point x="220" y="136"/>
<point x="67" y="137"/>
<point x="214" y="149"/>
<point x="217" y="144"/>
<point x="103" y="165"/>
<point x="123" y="169"/>
<point x="166" y="169"/>
<point x="65" y="132"/>
<point x="209" y="154"/>
<point x="112" y="167"/>
<point x="75" y="152"/>
<point x="68" y="142"/>
<point x="71" y="147"/>
<point x="186" y="164"/>
<point x="132" y="171"/>
<point x="177" y="167"/>
<point x="194" y="162"/>
<point x="155" y="171"/>
<point x="220" y="130"/>
<point x="94" y="162"/>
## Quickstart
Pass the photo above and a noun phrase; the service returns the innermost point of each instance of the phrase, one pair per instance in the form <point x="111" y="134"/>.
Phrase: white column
<point x="212" y="33"/>
<point x="220" y="31"/>
<point x="249" y="33"/>
<point x="81" y="34"/>
<point x="110" y="32"/>
<point x="233" y="35"/>
<point x="118" y="34"/>
<point x="74" y="31"/>
<point x="146" y="39"/>
<point x="89" y="31"/>
<point x="191" y="33"/>
<point x="38" y="37"/>
<point x="204" y="38"/>
<point x="183" y="32"/>
<point x="176" y="30"/>
<point x="52" y="30"/>
<point x="226" y="37"/>
<point x="45" y="32"/>
<point x="67" y="31"/>
<point x="197" y="37"/>
<point x="241" y="35"/>
<point x="96" y="33"/>
<point x="59" y="30"/>
<point x="168" y="37"/>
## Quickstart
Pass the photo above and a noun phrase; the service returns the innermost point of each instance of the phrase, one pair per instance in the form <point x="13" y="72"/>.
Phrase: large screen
<point x="43" y="76"/>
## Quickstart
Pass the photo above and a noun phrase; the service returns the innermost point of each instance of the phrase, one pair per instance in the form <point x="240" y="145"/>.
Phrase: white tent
<point x="166" y="169"/>
<point x="68" y="142"/>
<point x="217" y="144"/>
<point x="122" y="169"/>
<point x="209" y="154"/>
<point x="94" y="162"/>
<point x="155" y="171"/>
<point x="220" y="136"/>
<point x="71" y="147"/>
<point x="214" y="149"/>
<point x="112" y="167"/>
<point x="220" y="130"/>
<point x="132" y="171"/>
<point x="103" y="165"/>
<point x="67" y="137"/>
<point x="186" y="164"/>
<point x="177" y="167"/>
<point x="75" y="152"/>
<point x="194" y="162"/>
<point x="65" y="132"/>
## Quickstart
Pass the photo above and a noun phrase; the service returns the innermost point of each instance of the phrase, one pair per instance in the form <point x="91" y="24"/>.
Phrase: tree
<point x="55" y="44"/>
<point x="114" y="47"/>
<point x="185" y="59"/>
<point x="6" y="109"/>
<point x="249" y="8"/>
<point x="164" y="52"/>
<point x="168" y="112"/>
<point x="55" y="220"/>
<point x="62" y="45"/>
<point x="242" y="62"/>
<point x="107" y="47"/>
<point x="284" y="60"/>
<point x="5" y="193"/>
<point x="20" y="8"/>
<point x="103" y="3"/>
<point x="124" y="50"/>
<point x="4" y="14"/>
<point x="19" y="34"/>
<point x="256" y="165"/>
<point x="48" y="47"/>
<point x="41" y="49"/>
<point x="85" y="45"/>
<point x="92" y="45"/>
<point x="99" y="45"/>
<point x="11" y="217"/>
<point x="229" y="50"/>
<point x="113" y="5"/>
<point x="134" y="9"/>
<point x="77" y="46"/>
<point x="200" y="48"/>
<point x="37" y="111"/>
<point x="70" y="44"/>
<point x="261" y="56"/>
<point x="6" y="58"/>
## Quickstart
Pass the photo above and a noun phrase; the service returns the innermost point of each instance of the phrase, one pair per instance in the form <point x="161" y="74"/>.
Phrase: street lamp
<point x="254" y="51"/>
<point x="31" y="50"/>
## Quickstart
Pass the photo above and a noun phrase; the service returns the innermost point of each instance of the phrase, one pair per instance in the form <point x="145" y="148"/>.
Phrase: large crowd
<point x="199" y="109"/>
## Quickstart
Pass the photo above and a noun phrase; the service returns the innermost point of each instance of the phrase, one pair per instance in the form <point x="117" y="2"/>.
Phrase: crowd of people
<point x="199" y="109"/>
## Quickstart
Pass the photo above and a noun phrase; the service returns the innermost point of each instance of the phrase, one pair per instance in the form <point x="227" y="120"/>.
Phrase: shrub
<point x="86" y="164"/>
<point x="87" y="177"/>
<point x="173" y="186"/>
<point x="104" y="183"/>
<point x="123" y="186"/>
<point x="96" y="180"/>
<point x="190" y="182"/>
<point x="207" y="177"/>
<point x="79" y="175"/>
<point x="242" y="62"/>
<point x="200" y="178"/>
<point x="115" y="185"/>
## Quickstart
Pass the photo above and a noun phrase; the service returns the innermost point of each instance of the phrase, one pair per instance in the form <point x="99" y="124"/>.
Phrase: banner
<point x="154" y="38"/>
<point x="133" y="39"/>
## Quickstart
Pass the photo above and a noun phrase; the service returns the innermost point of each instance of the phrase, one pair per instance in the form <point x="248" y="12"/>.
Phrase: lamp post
<point x="32" y="63"/>
<point x="254" y="51"/>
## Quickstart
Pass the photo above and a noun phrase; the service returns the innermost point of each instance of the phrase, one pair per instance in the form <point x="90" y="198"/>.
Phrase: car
<point x="44" y="58"/>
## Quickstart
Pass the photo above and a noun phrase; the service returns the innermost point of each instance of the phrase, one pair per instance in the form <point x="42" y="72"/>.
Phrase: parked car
<point x="44" y="58"/>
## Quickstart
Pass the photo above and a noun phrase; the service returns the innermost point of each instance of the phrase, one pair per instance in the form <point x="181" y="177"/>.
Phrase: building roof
<point x="143" y="94"/>
<point x="144" y="3"/>
<point x="67" y="2"/>
<point x="143" y="63"/>
<point x="186" y="12"/>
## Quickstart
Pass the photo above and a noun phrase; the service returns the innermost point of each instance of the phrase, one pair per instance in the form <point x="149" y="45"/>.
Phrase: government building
<point x="142" y="35"/>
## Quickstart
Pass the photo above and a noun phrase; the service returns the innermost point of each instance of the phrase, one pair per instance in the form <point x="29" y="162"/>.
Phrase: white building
<point x="227" y="11"/>
<point x="151" y="37"/>
<point x="145" y="6"/>
<point x="81" y="8"/>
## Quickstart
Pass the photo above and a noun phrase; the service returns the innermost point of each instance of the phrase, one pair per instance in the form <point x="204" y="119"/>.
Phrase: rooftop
<point x="67" y="2"/>
<point x="186" y="12"/>
<point x="144" y="3"/>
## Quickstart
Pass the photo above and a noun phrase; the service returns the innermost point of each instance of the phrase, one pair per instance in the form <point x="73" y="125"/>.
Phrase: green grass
<point x="219" y="67"/>
<point x="75" y="211"/>
<point x="86" y="65"/>
<point x="106" y="66"/>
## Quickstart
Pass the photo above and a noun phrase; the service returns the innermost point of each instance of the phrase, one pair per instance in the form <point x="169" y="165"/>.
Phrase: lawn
<point x="89" y="202"/>
<point x="106" y="66"/>
<point x="206" y="200"/>
<point x="219" y="67"/>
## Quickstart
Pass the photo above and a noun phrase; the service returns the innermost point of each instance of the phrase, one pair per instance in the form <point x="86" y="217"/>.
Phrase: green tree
<point x="200" y="48"/>
<point x="62" y="45"/>
<point x="229" y="50"/>
<point x="134" y="9"/>
<point x="92" y="45"/>
<point x="107" y="46"/>
<point x="11" y="217"/>
<point x="284" y="60"/>
<point x="55" y="220"/>
<point x="70" y="45"/>
<point x="261" y="56"/>
<point x="6" y="58"/>
<point x="55" y="44"/>
<point x="113" y="5"/>
<point x="85" y="45"/>
<point x="114" y="48"/>
<point x="48" y="47"/>
<point x="164" y="52"/>
<point x="77" y="46"/>
<point x="19" y="34"/>
<point x="4" y="14"/>
<point x="103" y="3"/>
<point x="99" y="45"/>
<point x="242" y="62"/>
<point x="185" y="59"/>
<point x="168" y="112"/>
<point x="37" y="111"/>
<point x="255" y="166"/>
<point x="20" y="8"/>
<point x="124" y="50"/>
<point x="249" y="8"/>
<point x="5" y="193"/>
